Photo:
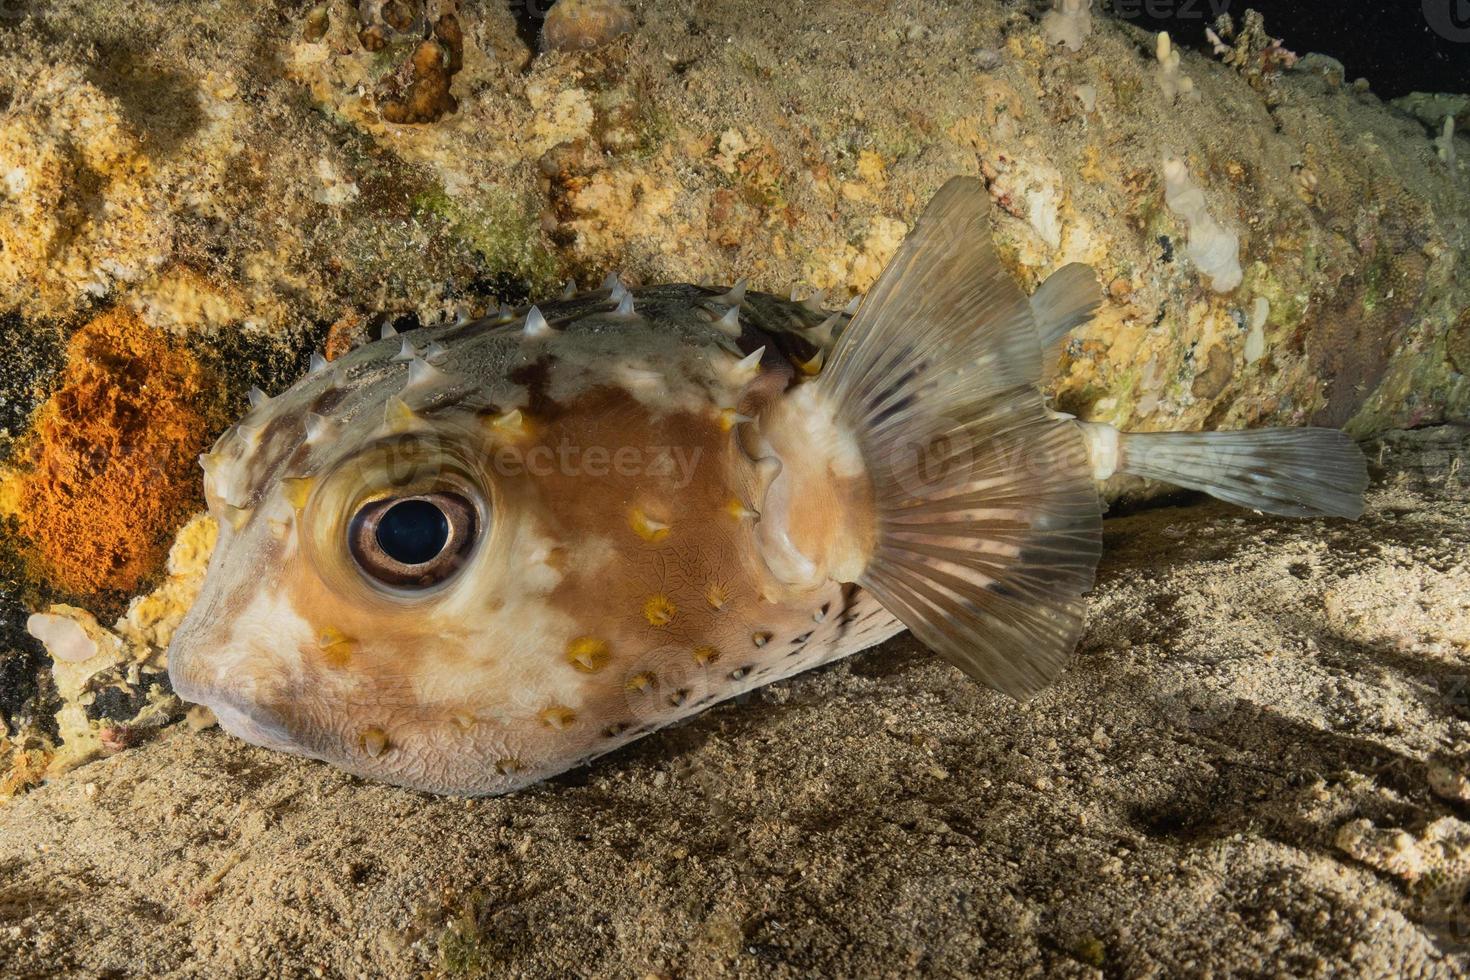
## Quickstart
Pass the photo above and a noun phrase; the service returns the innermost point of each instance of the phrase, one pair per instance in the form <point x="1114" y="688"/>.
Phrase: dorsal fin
<point x="1067" y="299"/>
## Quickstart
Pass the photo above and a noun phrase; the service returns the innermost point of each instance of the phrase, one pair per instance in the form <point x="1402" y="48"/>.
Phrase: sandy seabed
<point x="1257" y="766"/>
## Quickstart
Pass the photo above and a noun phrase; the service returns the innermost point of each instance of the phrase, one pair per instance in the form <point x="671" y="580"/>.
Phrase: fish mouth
<point x="244" y="717"/>
<point x="249" y="725"/>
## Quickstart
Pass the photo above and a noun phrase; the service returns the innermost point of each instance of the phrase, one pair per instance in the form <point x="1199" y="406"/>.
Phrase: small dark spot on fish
<point x="802" y="639"/>
<point x="678" y="697"/>
<point x="536" y="376"/>
<point x="329" y="399"/>
<point x="615" y="729"/>
<point x="739" y="673"/>
<point x="1166" y="249"/>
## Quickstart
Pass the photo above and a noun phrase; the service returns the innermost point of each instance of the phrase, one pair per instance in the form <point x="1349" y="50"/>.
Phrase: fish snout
<point x="205" y="670"/>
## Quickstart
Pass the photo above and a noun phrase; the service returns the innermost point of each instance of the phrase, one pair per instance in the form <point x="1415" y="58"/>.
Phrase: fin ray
<point x="1065" y="301"/>
<point x="1305" y="472"/>
<point x="988" y="523"/>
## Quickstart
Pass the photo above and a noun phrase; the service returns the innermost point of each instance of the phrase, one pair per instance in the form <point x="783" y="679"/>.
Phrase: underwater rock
<point x="112" y="682"/>
<point x="420" y="92"/>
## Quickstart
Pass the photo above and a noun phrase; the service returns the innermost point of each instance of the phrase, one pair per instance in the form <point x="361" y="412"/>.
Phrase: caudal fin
<point x="988" y="523"/>
<point x="1291" y="472"/>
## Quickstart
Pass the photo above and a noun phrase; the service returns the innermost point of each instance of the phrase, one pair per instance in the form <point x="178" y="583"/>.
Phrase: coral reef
<point x="1249" y="49"/>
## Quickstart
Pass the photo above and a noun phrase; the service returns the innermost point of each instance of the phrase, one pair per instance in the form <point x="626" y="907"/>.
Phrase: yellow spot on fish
<point x="296" y="489"/>
<point x="374" y="741"/>
<point x="760" y="638"/>
<point x="736" y="508"/>
<point x="811" y="367"/>
<point x="729" y="418"/>
<point x="462" y="720"/>
<point x="659" y="610"/>
<point x="398" y="416"/>
<point x="716" y="594"/>
<point x="510" y="426"/>
<point x="588" y="654"/>
<point x="508" y="767"/>
<point x="641" y="682"/>
<point x="615" y="729"/>
<point x="558" y="717"/>
<point x="336" y="646"/>
<point x="237" y="516"/>
<point x="706" y="655"/>
<point x="646" y="527"/>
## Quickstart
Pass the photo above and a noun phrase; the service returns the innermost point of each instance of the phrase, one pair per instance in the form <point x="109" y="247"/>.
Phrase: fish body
<point x="471" y="556"/>
<point x="614" y="583"/>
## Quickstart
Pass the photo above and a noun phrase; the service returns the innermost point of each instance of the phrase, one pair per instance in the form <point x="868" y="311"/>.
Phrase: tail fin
<point x="1292" y="472"/>
<point x="988" y="523"/>
<point x="1066" y="300"/>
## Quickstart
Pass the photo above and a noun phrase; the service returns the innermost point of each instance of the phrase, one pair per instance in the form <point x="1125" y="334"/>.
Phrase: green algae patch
<point x="503" y="230"/>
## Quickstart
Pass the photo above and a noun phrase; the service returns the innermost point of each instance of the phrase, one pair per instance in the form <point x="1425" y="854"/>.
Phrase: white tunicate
<point x="1068" y="23"/>
<point x="63" y="637"/>
<point x="1255" y="341"/>
<point x="1212" y="247"/>
<point x="1171" y="79"/>
<point x="1445" y="144"/>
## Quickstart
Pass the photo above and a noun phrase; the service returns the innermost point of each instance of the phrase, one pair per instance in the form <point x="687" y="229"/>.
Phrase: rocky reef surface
<point x="194" y="198"/>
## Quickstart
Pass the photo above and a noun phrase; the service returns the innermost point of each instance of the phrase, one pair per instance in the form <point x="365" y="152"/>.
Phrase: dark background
<point x="1400" y="46"/>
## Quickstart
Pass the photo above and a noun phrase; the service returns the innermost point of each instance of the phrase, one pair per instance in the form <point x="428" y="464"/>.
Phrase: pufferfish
<point x="468" y="557"/>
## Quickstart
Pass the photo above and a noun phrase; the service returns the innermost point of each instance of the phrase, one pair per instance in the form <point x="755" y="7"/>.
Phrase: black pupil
<point x="413" y="532"/>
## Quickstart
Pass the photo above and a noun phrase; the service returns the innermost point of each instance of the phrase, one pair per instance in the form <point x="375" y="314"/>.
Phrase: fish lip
<point x="249" y="720"/>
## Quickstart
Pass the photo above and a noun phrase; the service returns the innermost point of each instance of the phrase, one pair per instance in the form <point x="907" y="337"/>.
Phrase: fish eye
<point x="414" y="541"/>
